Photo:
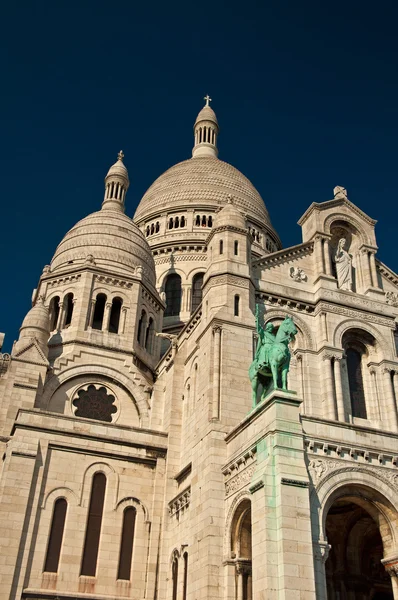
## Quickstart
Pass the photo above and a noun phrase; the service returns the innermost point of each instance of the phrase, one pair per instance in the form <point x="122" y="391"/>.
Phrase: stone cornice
<point x="387" y="272"/>
<point x="282" y="302"/>
<point x="332" y="204"/>
<point x="226" y="228"/>
<point x="180" y="503"/>
<point x="284" y="255"/>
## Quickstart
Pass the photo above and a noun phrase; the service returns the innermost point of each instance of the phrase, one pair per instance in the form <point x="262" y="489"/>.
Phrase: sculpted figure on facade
<point x="272" y="359"/>
<point x="343" y="266"/>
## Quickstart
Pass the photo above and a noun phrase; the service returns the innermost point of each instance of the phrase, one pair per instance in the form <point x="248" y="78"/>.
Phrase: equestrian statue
<point x="272" y="359"/>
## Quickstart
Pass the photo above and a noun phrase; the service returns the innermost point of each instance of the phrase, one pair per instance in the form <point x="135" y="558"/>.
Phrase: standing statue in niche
<point x="343" y="267"/>
<point x="272" y="359"/>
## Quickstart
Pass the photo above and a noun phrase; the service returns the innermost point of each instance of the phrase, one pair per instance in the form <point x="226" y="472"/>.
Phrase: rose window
<point x="95" y="403"/>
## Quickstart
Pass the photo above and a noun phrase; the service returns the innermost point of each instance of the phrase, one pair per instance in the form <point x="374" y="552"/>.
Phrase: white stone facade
<point x="127" y="475"/>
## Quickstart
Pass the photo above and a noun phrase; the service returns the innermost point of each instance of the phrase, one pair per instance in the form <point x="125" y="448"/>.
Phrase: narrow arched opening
<point x="173" y="291"/>
<point x="68" y="307"/>
<point x="54" y="312"/>
<point x="127" y="543"/>
<point x="99" y="311"/>
<point x="196" y="298"/>
<point x="56" y="536"/>
<point x="150" y="330"/>
<point x="114" y="320"/>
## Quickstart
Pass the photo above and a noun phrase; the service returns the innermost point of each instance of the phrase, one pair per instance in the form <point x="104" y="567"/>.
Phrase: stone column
<point x="92" y="311"/>
<point x="239" y="590"/>
<point x="327" y="257"/>
<point x="321" y="552"/>
<point x="318" y="251"/>
<point x="374" y="390"/>
<point x="328" y="387"/>
<point x="106" y="317"/>
<point x="339" y="388"/>
<point x="123" y="320"/>
<point x="390" y="399"/>
<point x="373" y="270"/>
<point x="216" y="372"/>
<point x="324" y="329"/>
<point x="365" y="268"/>
<point x="60" y="315"/>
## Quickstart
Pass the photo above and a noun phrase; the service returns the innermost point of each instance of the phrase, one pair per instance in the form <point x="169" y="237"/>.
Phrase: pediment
<point x="31" y="353"/>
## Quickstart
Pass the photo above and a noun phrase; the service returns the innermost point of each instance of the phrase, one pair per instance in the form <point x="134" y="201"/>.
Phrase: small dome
<point x="36" y="324"/>
<point x="114" y="242"/>
<point x="231" y="216"/>
<point x="206" y="114"/>
<point x="118" y="168"/>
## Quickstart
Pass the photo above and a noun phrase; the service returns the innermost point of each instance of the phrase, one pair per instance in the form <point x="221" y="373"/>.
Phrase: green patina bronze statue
<point x="272" y="359"/>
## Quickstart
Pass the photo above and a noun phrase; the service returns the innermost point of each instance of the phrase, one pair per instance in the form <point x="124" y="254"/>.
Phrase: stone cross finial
<point x="208" y="99"/>
<point x="120" y="155"/>
<point x="340" y="192"/>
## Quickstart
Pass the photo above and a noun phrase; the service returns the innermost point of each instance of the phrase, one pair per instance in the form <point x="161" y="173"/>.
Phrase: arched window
<point x="94" y="522"/>
<point x="176" y="222"/>
<point x="152" y="228"/>
<point x="197" y="283"/>
<point x="171" y="223"/>
<point x="185" y="586"/>
<point x="157" y="227"/>
<point x="236" y="305"/>
<point x="147" y="231"/>
<point x="173" y="295"/>
<point x="68" y="307"/>
<point x="149" y="335"/>
<point x="56" y="536"/>
<point x="99" y="311"/>
<point x="115" y="315"/>
<point x="210" y="221"/>
<point x="241" y="545"/>
<point x="54" y="312"/>
<point x="355" y="381"/>
<point x="236" y="248"/>
<point x="174" y="575"/>
<point x="221" y="247"/>
<point x="204" y="221"/>
<point x="141" y="333"/>
<point x="197" y="220"/>
<point x="127" y="543"/>
<point x="182" y="221"/>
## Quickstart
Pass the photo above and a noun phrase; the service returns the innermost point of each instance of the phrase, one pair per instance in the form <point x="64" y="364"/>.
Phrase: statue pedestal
<point x="281" y="524"/>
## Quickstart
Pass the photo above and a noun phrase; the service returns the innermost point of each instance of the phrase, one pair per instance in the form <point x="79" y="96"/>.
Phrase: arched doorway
<point x="357" y="532"/>
<point x="241" y="546"/>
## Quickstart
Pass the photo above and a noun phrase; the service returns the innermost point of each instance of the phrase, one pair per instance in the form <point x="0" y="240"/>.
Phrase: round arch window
<point x="94" y="402"/>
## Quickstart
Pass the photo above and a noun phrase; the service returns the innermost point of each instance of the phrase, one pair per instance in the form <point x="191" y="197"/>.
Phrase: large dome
<point x="202" y="181"/>
<point x="108" y="239"/>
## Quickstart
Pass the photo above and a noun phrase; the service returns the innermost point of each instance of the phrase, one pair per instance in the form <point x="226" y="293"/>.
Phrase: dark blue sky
<point x="305" y="93"/>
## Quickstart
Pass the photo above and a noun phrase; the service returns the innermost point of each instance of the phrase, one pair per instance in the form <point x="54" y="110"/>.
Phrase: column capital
<point x="217" y="329"/>
<point x="321" y="551"/>
<point x="391" y="565"/>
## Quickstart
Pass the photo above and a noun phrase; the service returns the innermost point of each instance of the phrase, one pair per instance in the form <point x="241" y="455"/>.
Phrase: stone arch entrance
<point x="241" y="550"/>
<point x="360" y="529"/>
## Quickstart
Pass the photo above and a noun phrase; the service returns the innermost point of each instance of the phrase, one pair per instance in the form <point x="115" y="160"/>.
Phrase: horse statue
<point x="272" y="358"/>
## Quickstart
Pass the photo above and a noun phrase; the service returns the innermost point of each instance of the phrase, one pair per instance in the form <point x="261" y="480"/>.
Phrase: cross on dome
<point x="120" y="155"/>
<point x="208" y="99"/>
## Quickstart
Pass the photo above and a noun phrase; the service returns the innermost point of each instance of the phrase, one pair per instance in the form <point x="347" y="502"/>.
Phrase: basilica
<point x="139" y="461"/>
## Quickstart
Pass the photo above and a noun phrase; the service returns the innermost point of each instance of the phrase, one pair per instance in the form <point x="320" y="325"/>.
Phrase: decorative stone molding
<point x="113" y="281"/>
<point x="5" y="361"/>
<point x="391" y="565"/>
<point x="294" y="482"/>
<point x="243" y="567"/>
<point x="150" y="299"/>
<point x="288" y="302"/>
<point x="392" y="298"/>
<point x="387" y="272"/>
<point x="180" y="503"/>
<point x="347" y="452"/>
<point x="356" y="314"/>
<point x="63" y="280"/>
<point x="180" y="258"/>
<point x="183" y="248"/>
<point x="228" y="279"/>
<point x="239" y="472"/>
<point x="320" y="469"/>
<point x="284" y="255"/>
